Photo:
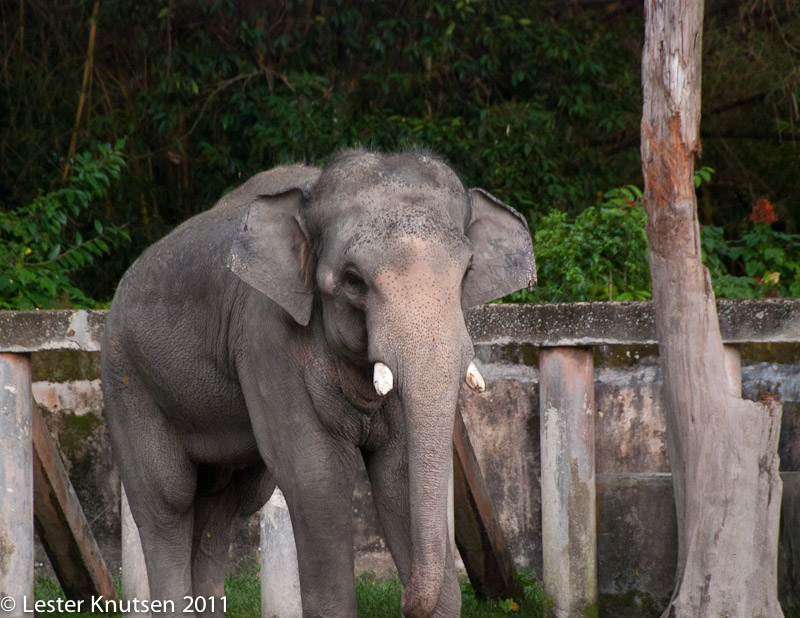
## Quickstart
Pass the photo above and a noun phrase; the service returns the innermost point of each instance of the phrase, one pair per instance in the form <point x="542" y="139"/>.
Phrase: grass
<point x="377" y="597"/>
<point x="243" y="590"/>
<point x="529" y="606"/>
<point x="48" y="589"/>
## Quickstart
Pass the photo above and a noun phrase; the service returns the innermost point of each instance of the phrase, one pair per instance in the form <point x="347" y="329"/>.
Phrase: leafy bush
<point x="602" y="254"/>
<point x="210" y="93"/>
<point x="42" y="245"/>
<point x="599" y="255"/>
<point x="763" y="262"/>
<point x="538" y="102"/>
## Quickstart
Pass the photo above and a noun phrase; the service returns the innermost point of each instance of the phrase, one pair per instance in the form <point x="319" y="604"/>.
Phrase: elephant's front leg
<point x="388" y="474"/>
<point x="319" y="491"/>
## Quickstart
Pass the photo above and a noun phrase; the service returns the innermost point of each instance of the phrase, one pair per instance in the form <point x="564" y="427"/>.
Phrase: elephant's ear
<point x="271" y="251"/>
<point x="502" y="260"/>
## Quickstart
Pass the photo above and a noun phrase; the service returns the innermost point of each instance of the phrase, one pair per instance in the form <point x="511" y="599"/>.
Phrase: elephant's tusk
<point x="474" y="379"/>
<point x="382" y="378"/>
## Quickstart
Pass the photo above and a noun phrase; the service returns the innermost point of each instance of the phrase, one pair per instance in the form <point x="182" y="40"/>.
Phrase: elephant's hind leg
<point x="222" y="496"/>
<point x="160" y="484"/>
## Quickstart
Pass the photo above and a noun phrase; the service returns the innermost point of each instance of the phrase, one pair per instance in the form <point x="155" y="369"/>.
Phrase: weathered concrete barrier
<point x="635" y="538"/>
<point x="134" y="581"/>
<point x="16" y="485"/>
<point x="566" y="412"/>
<point x="280" y="594"/>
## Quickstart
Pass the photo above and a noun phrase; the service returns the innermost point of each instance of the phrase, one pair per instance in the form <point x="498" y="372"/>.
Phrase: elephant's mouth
<point x="355" y="385"/>
<point x="383" y="380"/>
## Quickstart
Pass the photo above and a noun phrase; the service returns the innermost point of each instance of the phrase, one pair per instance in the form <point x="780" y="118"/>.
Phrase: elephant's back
<point x="189" y="266"/>
<point x="174" y="322"/>
<point x="181" y="279"/>
<point x="169" y="326"/>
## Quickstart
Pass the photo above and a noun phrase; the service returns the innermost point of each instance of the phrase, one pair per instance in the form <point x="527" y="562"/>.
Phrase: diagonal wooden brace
<point x="61" y="524"/>
<point x="478" y="535"/>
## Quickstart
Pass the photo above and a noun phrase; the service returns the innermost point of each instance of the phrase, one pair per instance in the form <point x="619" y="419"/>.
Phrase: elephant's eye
<point x="469" y="268"/>
<point x="353" y="282"/>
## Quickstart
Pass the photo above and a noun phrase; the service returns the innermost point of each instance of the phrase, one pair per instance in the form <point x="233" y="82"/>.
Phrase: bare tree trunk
<point x="722" y="449"/>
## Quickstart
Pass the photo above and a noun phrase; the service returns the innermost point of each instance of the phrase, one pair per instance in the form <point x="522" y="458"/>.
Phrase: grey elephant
<point x="310" y="318"/>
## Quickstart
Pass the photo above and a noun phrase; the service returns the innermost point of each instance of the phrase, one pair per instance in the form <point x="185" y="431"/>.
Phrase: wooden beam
<point x="61" y="524"/>
<point x="479" y="537"/>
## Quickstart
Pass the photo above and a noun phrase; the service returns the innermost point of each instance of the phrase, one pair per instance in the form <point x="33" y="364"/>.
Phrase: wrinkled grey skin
<point x="238" y="355"/>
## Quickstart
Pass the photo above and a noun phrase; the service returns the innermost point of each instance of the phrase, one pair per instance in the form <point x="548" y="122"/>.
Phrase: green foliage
<point x="599" y="255"/>
<point x="602" y="254"/>
<point x="42" y="245"/>
<point x="212" y="92"/>
<point x="529" y="606"/>
<point x="377" y="597"/>
<point x="703" y="175"/>
<point x="48" y="589"/>
<point x="243" y="590"/>
<point x="539" y="102"/>
<point x="751" y="88"/>
<point x="763" y="262"/>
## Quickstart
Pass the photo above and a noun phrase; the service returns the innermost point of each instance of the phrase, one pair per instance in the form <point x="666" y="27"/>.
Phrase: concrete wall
<point x="637" y="543"/>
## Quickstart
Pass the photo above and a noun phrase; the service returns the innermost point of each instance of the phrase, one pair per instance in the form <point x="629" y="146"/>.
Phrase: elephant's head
<point x="394" y="249"/>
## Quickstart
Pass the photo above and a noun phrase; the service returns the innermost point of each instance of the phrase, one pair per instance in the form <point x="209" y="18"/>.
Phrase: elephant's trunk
<point x="415" y="327"/>
<point x="429" y="372"/>
<point x="429" y="405"/>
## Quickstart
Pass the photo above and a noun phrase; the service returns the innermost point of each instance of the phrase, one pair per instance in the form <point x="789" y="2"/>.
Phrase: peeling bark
<point x="722" y="449"/>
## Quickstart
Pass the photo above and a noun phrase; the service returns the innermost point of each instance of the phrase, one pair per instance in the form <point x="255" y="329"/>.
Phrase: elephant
<point x="311" y="317"/>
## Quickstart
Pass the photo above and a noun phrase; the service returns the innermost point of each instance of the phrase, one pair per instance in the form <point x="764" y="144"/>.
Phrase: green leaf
<point x="39" y="254"/>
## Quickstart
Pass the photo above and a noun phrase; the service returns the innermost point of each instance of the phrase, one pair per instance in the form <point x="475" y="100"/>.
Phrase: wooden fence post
<point x="16" y="485"/>
<point x="569" y="531"/>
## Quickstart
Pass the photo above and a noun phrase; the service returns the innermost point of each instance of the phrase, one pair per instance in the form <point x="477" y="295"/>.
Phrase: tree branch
<point x="87" y="71"/>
